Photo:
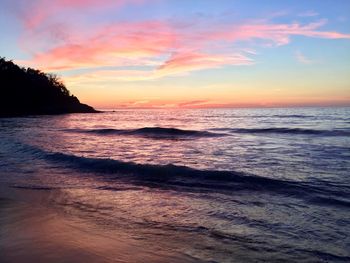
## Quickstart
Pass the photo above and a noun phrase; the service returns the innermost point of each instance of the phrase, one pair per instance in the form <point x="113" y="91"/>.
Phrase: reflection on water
<point x="53" y="237"/>
<point x="286" y="155"/>
<point x="200" y="186"/>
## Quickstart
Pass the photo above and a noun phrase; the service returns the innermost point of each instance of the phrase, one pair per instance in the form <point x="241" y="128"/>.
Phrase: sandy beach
<point x="30" y="231"/>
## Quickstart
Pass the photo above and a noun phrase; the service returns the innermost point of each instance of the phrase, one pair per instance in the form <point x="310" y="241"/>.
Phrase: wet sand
<point x="32" y="232"/>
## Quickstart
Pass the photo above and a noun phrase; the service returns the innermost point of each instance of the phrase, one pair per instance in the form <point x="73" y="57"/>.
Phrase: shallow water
<point x="177" y="186"/>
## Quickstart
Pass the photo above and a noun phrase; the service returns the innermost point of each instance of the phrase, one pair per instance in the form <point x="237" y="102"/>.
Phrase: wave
<point x="295" y="116"/>
<point x="330" y="201"/>
<point x="174" y="133"/>
<point x="153" y="132"/>
<point x="182" y="178"/>
<point x="292" y="116"/>
<point x="280" y="116"/>
<point x="31" y="187"/>
<point x="297" y="131"/>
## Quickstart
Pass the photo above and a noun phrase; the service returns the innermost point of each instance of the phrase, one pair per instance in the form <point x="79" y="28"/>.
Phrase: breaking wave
<point x="289" y="131"/>
<point x="189" y="179"/>
<point x="174" y="133"/>
<point x="152" y="132"/>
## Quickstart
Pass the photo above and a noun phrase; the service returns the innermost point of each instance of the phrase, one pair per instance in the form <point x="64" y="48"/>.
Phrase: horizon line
<point x="238" y="107"/>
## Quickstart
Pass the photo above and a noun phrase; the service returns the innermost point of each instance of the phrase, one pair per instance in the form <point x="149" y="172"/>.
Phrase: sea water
<point x="203" y="185"/>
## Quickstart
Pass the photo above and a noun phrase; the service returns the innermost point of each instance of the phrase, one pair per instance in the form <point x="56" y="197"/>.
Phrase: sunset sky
<point x="186" y="53"/>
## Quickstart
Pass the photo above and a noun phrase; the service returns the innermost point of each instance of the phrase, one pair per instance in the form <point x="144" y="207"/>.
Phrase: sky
<point x="186" y="53"/>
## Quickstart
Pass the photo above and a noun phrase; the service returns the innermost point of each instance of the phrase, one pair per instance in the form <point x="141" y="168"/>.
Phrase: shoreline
<point x="30" y="231"/>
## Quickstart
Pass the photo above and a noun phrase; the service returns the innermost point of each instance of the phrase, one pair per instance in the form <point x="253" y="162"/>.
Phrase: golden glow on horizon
<point x="167" y="96"/>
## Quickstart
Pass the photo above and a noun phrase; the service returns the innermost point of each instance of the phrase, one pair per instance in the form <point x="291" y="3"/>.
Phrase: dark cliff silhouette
<point x="27" y="91"/>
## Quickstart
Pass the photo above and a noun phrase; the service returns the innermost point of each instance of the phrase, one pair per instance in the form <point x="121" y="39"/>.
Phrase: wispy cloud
<point x="309" y="13"/>
<point x="302" y="58"/>
<point x="342" y="19"/>
<point x="45" y="11"/>
<point x="165" y="47"/>
<point x="193" y="103"/>
<point x="159" y="104"/>
<point x="115" y="45"/>
<point x="186" y="62"/>
<point x="98" y="76"/>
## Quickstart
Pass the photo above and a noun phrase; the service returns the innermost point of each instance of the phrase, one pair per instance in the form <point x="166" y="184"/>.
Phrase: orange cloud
<point x="177" y="64"/>
<point x="161" y="104"/>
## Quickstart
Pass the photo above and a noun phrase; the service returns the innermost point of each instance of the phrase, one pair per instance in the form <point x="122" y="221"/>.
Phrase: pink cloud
<point x="175" y="65"/>
<point x="169" y="47"/>
<point x="278" y="34"/>
<point x="119" y="44"/>
<point x="44" y="11"/>
<point x="185" y="62"/>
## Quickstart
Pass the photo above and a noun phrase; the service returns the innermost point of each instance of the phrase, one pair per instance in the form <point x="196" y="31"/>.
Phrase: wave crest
<point x="184" y="178"/>
<point x="153" y="132"/>
<point x="290" y="131"/>
<point x="174" y="133"/>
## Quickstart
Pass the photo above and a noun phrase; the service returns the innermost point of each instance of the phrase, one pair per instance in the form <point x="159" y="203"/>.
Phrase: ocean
<point x="189" y="185"/>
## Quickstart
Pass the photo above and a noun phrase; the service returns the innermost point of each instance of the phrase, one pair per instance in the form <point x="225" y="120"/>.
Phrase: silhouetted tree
<point x="27" y="91"/>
